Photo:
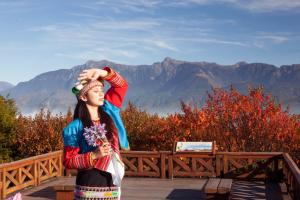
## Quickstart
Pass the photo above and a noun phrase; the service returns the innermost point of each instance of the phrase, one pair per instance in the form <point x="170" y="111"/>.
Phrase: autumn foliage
<point x="39" y="134"/>
<point x="237" y="122"/>
<point x="252" y="122"/>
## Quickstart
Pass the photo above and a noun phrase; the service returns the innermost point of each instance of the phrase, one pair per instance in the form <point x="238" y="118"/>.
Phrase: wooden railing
<point x="250" y="165"/>
<point x="162" y="164"/>
<point x="29" y="172"/>
<point x="237" y="165"/>
<point x="291" y="176"/>
<point x="144" y="163"/>
<point x="247" y="165"/>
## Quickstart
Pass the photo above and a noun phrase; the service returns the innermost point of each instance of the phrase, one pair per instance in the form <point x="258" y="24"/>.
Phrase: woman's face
<point x="95" y="96"/>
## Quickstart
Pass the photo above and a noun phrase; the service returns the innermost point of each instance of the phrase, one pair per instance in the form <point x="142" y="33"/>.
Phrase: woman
<point x="100" y="169"/>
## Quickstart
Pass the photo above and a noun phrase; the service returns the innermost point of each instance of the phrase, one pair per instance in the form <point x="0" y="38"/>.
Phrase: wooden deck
<point x="170" y="176"/>
<point x="155" y="188"/>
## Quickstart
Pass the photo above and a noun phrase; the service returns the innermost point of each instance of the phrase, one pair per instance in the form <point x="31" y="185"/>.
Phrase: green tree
<point x="8" y="112"/>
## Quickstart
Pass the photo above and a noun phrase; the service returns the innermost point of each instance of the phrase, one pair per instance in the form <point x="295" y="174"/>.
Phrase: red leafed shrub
<point x="39" y="134"/>
<point x="237" y="122"/>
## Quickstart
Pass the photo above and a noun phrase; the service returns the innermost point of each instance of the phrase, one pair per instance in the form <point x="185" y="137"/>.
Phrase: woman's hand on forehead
<point x="92" y="74"/>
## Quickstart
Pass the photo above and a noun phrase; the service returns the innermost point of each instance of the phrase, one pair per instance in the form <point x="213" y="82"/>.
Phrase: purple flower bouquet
<point x="95" y="135"/>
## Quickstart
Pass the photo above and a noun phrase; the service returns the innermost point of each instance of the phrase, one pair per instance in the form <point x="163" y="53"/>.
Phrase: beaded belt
<point x="97" y="193"/>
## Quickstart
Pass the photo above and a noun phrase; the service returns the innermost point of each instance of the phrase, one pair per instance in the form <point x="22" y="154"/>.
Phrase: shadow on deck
<point x="155" y="188"/>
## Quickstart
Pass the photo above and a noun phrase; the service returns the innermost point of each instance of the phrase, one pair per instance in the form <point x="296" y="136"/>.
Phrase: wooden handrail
<point x="141" y="152"/>
<point x="292" y="176"/>
<point x="30" y="159"/>
<point x="292" y="166"/>
<point x="249" y="153"/>
<point x="29" y="172"/>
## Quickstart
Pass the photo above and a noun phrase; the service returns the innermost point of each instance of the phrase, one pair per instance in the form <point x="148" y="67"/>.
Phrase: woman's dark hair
<point x="81" y="112"/>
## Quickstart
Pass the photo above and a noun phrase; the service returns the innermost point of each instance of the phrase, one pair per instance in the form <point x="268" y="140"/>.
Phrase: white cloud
<point x="275" y="38"/>
<point x="164" y="45"/>
<point x="84" y="15"/>
<point x="11" y="4"/>
<point x="84" y="55"/>
<point x="16" y="7"/>
<point x="251" y="5"/>
<point x="268" y="5"/>
<point x="127" y="25"/>
<point x="123" y="6"/>
<point x="128" y="38"/>
<point x="126" y="33"/>
<point x="263" y="39"/>
<point x="259" y="44"/>
<point x="141" y="3"/>
<point x="213" y="41"/>
<point x="179" y="3"/>
<point x="100" y="53"/>
<point x="47" y="28"/>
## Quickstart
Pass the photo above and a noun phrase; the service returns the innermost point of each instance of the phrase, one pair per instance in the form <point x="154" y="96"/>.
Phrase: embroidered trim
<point x="75" y="160"/>
<point x="85" y="192"/>
<point x="114" y="78"/>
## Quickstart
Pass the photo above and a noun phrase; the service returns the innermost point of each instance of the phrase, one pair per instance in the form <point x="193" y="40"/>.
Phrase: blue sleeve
<point x="70" y="133"/>
<point x="114" y="113"/>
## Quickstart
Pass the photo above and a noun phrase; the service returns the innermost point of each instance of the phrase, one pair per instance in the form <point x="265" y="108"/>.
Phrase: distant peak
<point x="241" y="63"/>
<point x="6" y="83"/>
<point x="168" y="61"/>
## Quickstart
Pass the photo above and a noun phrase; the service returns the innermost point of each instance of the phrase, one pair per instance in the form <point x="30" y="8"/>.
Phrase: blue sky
<point x="39" y="36"/>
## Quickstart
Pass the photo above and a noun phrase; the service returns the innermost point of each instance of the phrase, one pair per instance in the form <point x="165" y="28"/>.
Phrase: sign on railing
<point x="194" y="147"/>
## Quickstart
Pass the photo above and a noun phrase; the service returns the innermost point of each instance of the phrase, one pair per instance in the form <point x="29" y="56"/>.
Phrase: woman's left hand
<point x="92" y="74"/>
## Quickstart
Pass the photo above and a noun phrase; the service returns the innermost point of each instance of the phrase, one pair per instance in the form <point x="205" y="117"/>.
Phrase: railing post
<point x="140" y="165"/>
<point x="1" y="184"/>
<point x="170" y="166"/>
<point x="19" y="175"/>
<point x="3" y="195"/>
<point x="0" y="190"/>
<point x="218" y="165"/>
<point x="38" y="172"/>
<point x="225" y="164"/>
<point x="35" y="173"/>
<point x="162" y="164"/>
<point x="49" y="166"/>
<point x="60" y="167"/>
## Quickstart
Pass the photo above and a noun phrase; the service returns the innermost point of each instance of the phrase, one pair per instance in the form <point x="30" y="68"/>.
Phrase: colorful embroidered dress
<point x="77" y="152"/>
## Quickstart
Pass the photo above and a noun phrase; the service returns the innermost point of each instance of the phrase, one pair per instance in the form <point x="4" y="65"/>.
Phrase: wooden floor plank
<point x="211" y="186"/>
<point x="132" y="188"/>
<point x="157" y="189"/>
<point x="224" y="186"/>
<point x="284" y="192"/>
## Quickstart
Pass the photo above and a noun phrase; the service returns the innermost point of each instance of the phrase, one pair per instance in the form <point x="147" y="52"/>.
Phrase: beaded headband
<point x="81" y="88"/>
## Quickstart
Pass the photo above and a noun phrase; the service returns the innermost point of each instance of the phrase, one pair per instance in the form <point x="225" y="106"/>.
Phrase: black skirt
<point x="94" y="178"/>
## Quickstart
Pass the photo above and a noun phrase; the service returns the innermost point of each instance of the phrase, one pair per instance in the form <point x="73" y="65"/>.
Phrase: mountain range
<point x="5" y="85"/>
<point x="160" y="87"/>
